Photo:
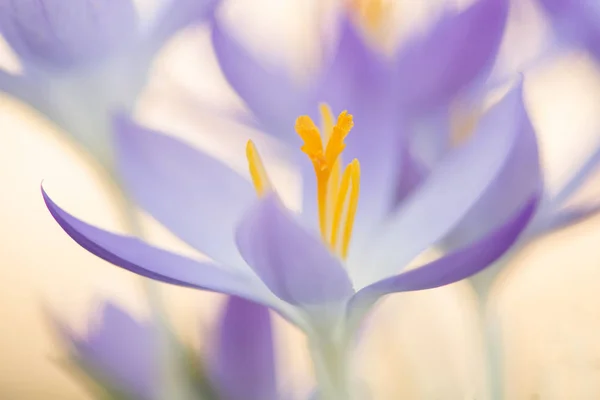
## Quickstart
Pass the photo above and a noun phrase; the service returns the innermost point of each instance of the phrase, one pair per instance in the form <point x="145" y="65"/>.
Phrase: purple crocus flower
<point x="121" y="354"/>
<point x="577" y="21"/>
<point x="264" y="252"/>
<point x="83" y="59"/>
<point x="405" y="105"/>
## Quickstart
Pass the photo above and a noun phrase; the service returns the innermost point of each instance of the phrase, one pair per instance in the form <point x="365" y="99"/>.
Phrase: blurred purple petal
<point x="587" y="168"/>
<point x="244" y="359"/>
<point x="119" y="351"/>
<point x="198" y="198"/>
<point x="432" y="69"/>
<point x="447" y="195"/>
<point x="355" y="76"/>
<point x="567" y="217"/>
<point x="175" y="15"/>
<point x="296" y="265"/>
<point x="520" y="178"/>
<point x="453" y="267"/>
<point x="267" y="91"/>
<point x="577" y="21"/>
<point x="145" y="260"/>
<point x="61" y="34"/>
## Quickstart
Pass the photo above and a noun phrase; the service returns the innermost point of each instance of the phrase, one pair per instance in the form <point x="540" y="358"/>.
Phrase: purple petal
<point x="432" y="69"/>
<point x="567" y="217"/>
<point x="198" y="198"/>
<point x="577" y="20"/>
<point x="118" y="350"/>
<point x="520" y="178"/>
<point x="267" y="91"/>
<point x="175" y="15"/>
<point x="293" y="263"/>
<point x="451" y="268"/>
<point x="151" y="262"/>
<point x="447" y="195"/>
<point x="61" y="34"/>
<point x="355" y="76"/>
<point x="244" y="359"/>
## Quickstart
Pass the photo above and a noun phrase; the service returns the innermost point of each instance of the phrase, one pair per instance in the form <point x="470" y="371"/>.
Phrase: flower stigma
<point x="337" y="191"/>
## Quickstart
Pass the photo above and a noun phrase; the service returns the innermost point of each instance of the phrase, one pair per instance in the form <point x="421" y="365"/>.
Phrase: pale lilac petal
<point x="520" y="178"/>
<point x="197" y="197"/>
<point x="447" y="195"/>
<point x="453" y="267"/>
<point x="143" y="259"/>
<point x="120" y="351"/>
<point x="23" y="88"/>
<point x="567" y="217"/>
<point x="355" y="76"/>
<point x="268" y="91"/>
<point x="295" y="264"/>
<point x="175" y="15"/>
<point x="587" y="168"/>
<point x="458" y="50"/>
<point x="243" y="363"/>
<point x="61" y="34"/>
<point x="577" y="21"/>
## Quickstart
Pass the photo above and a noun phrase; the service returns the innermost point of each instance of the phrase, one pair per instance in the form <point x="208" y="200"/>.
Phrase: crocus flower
<point x="577" y="21"/>
<point x="120" y="354"/>
<point x="406" y="103"/>
<point x="83" y="59"/>
<point x="325" y="268"/>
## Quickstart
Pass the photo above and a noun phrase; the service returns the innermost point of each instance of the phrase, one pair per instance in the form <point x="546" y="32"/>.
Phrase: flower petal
<point x="520" y="178"/>
<point x="175" y="15"/>
<point x="268" y="92"/>
<point x="59" y="34"/>
<point x="432" y="69"/>
<point x="151" y="262"/>
<point x="198" y="198"/>
<point x="120" y="350"/>
<point x="244" y="359"/>
<point x="587" y="168"/>
<point x="566" y="217"/>
<point x="577" y="20"/>
<point x="292" y="262"/>
<point x="453" y="267"/>
<point x="445" y="197"/>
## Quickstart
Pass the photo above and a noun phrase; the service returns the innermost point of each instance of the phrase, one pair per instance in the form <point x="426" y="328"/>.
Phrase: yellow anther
<point x="333" y="196"/>
<point x="352" y="207"/>
<point x="336" y="171"/>
<point x="260" y="179"/>
<point x="346" y="205"/>
<point x="371" y="13"/>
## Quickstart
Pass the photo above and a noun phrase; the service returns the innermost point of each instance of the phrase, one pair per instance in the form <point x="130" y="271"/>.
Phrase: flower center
<point x="337" y="192"/>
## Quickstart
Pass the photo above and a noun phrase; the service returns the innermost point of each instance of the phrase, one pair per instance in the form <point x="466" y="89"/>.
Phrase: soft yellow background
<point x="420" y="345"/>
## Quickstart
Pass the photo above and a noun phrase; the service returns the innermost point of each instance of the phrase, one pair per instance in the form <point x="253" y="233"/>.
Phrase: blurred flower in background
<point x="85" y="60"/>
<point x="120" y="357"/>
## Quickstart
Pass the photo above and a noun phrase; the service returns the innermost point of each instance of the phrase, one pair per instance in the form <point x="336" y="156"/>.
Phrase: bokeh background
<point x="421" y="345"/>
